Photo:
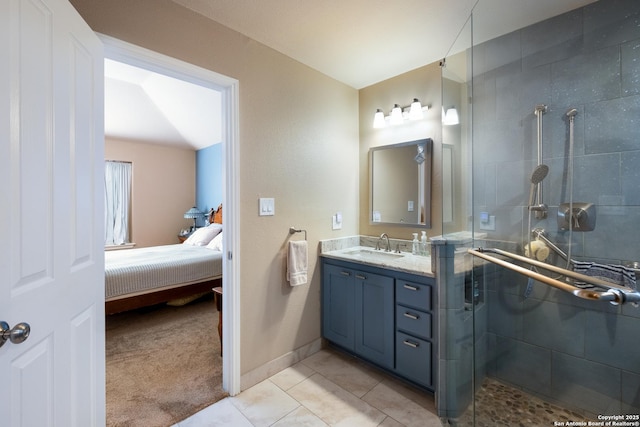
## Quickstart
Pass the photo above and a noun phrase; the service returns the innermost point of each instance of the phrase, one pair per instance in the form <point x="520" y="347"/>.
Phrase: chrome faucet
<point x="384" y="236"/>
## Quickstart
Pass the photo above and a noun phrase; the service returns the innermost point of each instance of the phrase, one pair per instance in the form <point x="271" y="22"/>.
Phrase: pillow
<point x="202" y="236"/>
<point x="216" y="243"/>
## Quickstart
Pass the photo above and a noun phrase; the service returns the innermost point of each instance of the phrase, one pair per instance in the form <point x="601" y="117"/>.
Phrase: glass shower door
<point x="541" y="355"/>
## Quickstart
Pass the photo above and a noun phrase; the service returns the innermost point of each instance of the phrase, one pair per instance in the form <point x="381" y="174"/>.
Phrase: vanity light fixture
<point x="399" y="114"/>
<point x="450" y="117"/>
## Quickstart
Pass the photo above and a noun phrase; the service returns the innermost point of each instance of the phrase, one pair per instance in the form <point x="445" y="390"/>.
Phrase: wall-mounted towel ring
<point x="293" y="230"/>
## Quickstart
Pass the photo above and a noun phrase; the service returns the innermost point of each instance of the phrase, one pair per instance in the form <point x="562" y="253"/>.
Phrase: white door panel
<point x="52" y="259"/>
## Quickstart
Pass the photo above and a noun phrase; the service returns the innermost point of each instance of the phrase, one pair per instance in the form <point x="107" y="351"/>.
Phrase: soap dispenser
<point x="423" y="244"/>
<point x="415" y="249"/>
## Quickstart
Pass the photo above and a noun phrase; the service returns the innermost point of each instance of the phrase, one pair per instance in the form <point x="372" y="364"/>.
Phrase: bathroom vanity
<point x="379" y="306"/>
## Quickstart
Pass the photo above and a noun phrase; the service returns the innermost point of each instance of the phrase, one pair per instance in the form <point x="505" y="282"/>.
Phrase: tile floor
<point x="328" y="388"/>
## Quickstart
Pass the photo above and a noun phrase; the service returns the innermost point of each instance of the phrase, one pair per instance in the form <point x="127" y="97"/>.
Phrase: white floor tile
<point x="326" y="389"/>
<point x="334" y="405"/>
<point x="264" y="403"/>
<point x="397" y="406"/>
<point x="220" y="414"/>
<point x="300" y="417"/>
<point x="347" y="372"/>
<point x="292" y="376"/>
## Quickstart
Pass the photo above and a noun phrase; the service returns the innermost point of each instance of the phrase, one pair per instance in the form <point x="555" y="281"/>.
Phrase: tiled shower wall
<point x="584" y="354"/>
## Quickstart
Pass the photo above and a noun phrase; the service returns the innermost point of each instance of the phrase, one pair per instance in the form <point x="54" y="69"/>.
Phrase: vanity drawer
<point x="414" y="322"/>
<point x="413" y="295"/>
<point x="413" y="359"/>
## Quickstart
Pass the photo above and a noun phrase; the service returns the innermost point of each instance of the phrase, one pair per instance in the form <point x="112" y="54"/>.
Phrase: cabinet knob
<point x="345" y="273"/>
<point x="361" y="277"/>
<point x="411" y="315"/>
<point x="411" y="288"/>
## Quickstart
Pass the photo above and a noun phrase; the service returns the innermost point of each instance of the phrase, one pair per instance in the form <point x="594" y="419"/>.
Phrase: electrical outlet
<point x="489" y="224"/>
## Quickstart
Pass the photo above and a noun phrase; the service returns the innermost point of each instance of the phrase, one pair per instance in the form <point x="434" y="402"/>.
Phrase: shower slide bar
<point x="615" y="294"/>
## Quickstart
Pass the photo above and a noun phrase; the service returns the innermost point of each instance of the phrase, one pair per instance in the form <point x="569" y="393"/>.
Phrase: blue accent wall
<point x="209" y="177"/>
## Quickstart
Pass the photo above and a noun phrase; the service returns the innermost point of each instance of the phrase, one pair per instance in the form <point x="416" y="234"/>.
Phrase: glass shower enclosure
<point x="544" y="183"/>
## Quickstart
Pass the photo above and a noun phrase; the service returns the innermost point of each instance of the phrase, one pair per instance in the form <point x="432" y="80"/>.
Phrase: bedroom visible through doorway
<point x="117" y="50"/>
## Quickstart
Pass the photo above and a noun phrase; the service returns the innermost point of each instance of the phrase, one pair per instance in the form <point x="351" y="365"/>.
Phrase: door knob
<point x="16" y="335"/>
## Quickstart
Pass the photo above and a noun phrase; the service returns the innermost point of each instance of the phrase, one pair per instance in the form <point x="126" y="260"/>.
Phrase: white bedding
<point x="138" y="271"/>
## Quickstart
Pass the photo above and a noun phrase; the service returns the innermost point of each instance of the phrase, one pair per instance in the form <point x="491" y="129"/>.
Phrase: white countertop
<point x="408" y="263"/>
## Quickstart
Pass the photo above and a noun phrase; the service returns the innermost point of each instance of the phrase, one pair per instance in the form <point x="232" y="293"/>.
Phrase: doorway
<point x="120" y="51"/>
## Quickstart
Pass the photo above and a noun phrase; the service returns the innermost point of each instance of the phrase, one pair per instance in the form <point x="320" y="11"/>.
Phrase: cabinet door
<point x="374" y="333"/>
<point x="337" y="305"/>
<point x="413" y="359"/>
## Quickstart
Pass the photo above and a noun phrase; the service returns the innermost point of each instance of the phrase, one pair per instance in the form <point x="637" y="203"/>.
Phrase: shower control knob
<point x="16" y="335"/>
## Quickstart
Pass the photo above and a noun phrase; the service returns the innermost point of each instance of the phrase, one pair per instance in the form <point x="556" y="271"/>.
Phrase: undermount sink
<point x="373" y="255"/>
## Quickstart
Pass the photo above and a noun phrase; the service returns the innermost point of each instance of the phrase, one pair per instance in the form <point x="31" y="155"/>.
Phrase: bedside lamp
<point x="193" y="213"/>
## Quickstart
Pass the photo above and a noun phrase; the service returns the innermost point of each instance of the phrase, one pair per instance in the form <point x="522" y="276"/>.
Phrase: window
<point x="117" y="203"/>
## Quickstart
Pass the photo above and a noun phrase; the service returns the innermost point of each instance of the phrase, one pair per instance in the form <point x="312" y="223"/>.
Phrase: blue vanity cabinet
<point x="414" y="331"/>
<point x="374" y="318"/>
<point x="358" y="310"/>
<point x="338" y="305"/>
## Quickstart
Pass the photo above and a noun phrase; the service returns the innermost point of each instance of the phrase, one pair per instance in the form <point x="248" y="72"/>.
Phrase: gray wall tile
<point x="613" y="340"/>
<point x="586" y="384"/>
<point x="555" y="326"/>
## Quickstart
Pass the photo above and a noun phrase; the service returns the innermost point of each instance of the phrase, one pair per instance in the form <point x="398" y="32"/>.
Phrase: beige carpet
<point x="163" y="364"/>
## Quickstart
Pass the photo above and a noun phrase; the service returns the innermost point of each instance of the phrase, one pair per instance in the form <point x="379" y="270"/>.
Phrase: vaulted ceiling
<point x="357" y="42"/>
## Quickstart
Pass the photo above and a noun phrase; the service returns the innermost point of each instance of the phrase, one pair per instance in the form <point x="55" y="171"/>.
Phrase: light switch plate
<point x="267" y="206"/>
<point x="337" y="221"/>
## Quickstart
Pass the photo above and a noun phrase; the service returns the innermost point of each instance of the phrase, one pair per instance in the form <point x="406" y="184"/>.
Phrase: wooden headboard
<point x="216" y="215"/>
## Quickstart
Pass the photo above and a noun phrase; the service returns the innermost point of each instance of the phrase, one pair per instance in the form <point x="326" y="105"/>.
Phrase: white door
<point x="51" y="215"/>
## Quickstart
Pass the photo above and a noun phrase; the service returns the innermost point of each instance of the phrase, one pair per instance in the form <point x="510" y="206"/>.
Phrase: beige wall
<point x="298" y="144"/>
<point x="163" y="188"/>
<point x="425" y="84"/>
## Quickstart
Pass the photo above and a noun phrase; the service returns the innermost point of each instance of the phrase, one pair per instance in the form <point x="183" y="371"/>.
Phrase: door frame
<point x="128" y="53"/>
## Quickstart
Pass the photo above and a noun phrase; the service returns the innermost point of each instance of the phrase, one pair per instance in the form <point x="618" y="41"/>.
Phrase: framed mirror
<point x="400" y="183"/>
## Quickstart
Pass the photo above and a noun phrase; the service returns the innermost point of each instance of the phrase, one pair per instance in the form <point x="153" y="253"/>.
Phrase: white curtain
<point x="117" y="198"/>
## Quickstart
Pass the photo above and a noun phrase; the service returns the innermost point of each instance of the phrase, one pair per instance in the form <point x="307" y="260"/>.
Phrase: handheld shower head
<point x="539" y="173"/>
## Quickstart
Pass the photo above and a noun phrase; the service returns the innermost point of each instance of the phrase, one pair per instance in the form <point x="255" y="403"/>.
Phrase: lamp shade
<point x="451" y="117"/>
<point x="415" y="113"/>
<point x="193" y="213"/>
<point x="378" y="119"/>
<point x="396" y="115"/>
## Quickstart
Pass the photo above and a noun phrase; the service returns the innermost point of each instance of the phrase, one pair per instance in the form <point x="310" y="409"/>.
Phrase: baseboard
<point x="271" y="368"/>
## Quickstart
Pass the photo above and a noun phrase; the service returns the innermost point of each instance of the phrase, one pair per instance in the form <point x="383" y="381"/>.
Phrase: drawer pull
<point x="361" y="277"/>
<point x="412" y="344"/>
<point x="411" y="288"/>
<point x="411" y="315"/>
<point x="345" y="273"/>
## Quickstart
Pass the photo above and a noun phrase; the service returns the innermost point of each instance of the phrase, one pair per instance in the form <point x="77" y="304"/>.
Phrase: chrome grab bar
<point x="615" y="294"/>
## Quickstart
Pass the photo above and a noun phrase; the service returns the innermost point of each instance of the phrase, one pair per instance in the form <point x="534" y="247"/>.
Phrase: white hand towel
<point x="297" y="263"/>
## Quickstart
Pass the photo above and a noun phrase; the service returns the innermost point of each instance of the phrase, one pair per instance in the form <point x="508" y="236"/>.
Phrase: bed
<point x="142" y="277"/>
